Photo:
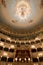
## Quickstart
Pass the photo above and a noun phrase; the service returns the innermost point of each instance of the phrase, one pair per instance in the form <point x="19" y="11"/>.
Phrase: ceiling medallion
<point x="22" y="11"/>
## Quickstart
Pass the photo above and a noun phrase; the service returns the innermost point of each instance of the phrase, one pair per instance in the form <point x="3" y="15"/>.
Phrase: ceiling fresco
<point x="21" y="14"/>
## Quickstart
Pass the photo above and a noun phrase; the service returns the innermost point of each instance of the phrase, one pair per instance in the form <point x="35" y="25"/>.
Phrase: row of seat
<point x="6" y="49"/>
<point x="12" y="49"/>
<point x="39" y="49"/>
<point x="40" y="59"/>
<point x="5" y="59"/>
<point x="18" y="37"/>
<point x="22" y="43"/>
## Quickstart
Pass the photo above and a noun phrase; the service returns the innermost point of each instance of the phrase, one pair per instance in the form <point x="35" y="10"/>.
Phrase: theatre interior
<point x="21" y="32"/>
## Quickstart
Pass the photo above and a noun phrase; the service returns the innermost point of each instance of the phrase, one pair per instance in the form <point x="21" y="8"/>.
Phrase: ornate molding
<point x="3" y="3"/>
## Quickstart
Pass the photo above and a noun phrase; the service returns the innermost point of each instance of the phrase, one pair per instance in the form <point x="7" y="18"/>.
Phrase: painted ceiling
<point x="21" y="14"/>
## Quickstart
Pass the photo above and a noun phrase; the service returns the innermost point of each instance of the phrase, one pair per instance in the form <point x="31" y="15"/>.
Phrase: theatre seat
<point x="41" y="59"/>
<point x="41" y="40"/>
<point x="32" y="42"/>
<point x="37" y="41"/>
<point x="4" y="59"/>
<point x="6" y="49"/>
<point x="35" y="59"/>
<point x="39" y="49"/>
<point x="1" y="48"/>
<point x="33" y="50"/>
<point x="10" y="59"/>
<point x="3" y="40"/>
<point x="11" y="50"/>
